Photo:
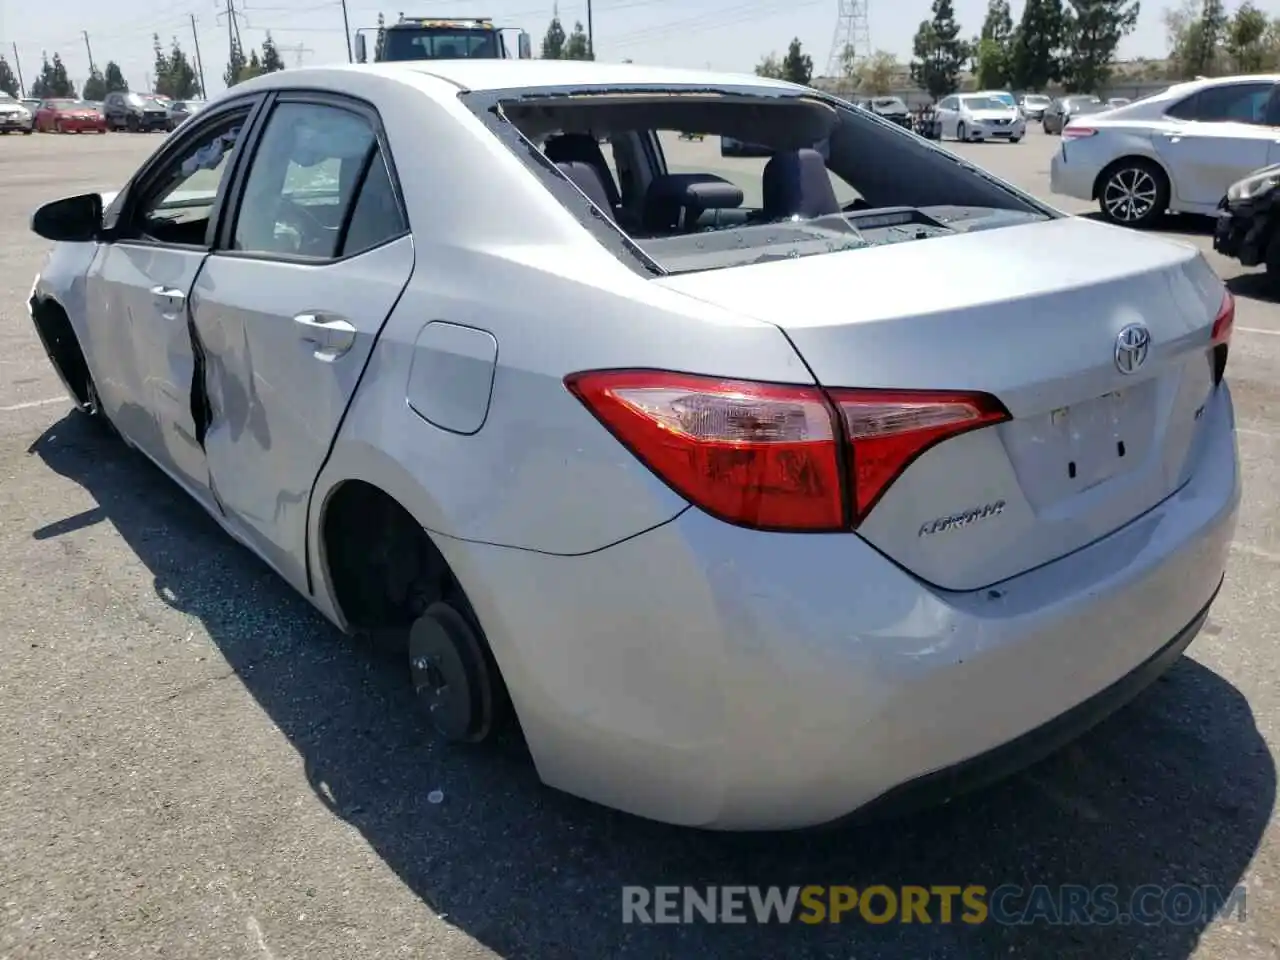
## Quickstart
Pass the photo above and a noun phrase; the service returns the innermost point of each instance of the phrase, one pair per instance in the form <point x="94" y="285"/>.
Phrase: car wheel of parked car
<point x="1133" y="192"/>
<point x="132" y="124"/>
<point x="1015" y="139"/>
<point x="961" y="133"/>
<point x="27" y="132"/>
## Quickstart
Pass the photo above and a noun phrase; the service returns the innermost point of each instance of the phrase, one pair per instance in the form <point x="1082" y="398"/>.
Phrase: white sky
<point x="722" y="34"/>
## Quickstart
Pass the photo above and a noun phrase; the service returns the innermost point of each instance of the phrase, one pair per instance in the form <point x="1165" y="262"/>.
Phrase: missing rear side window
<point x="701" y="179"/>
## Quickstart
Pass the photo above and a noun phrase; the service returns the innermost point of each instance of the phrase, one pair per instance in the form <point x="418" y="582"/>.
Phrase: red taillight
<point x="1074" y="133"/>
<point x="1225" y="319"/>
<point x="888" y="430"/>
<point x="758" y="455"/>
<point x="773" y="456"/>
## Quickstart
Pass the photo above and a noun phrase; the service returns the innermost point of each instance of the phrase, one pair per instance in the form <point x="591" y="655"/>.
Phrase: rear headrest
<point x="796" y="182"/>
<point x="690" y="193"/>
<point x="582" y="148"/>
<point x="586" y="179"/>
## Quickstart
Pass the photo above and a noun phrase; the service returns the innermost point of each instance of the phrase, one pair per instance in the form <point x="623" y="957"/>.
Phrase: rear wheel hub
<point x="450" y="675"/>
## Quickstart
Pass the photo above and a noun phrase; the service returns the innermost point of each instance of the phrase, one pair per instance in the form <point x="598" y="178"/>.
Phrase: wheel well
<point x="1131" y="160"/>
<point x="383" y="567"/>
<point x="60" y="342"/>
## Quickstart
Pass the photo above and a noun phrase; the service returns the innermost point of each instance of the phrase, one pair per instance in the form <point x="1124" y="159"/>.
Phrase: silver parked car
<point x="182" y="110"/>
<point x="746" y="531"/>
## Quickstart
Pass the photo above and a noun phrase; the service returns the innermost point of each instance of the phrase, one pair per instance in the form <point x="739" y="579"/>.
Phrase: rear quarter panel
<point x="495" y="251"/>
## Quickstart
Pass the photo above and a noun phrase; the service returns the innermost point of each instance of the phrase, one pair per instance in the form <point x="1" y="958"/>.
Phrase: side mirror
<point x="362" y="54"/>
<point x="526" y="46"/>
<point x="70" y="220"/>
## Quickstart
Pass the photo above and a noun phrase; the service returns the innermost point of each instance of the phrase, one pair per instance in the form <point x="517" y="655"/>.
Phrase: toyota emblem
<point x="1132" y="345"/>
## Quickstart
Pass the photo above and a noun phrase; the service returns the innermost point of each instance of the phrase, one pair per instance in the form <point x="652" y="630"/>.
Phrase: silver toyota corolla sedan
<point x="761" y="490"/>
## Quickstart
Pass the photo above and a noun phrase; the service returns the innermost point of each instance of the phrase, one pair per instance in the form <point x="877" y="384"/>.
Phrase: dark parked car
<point x="180" y="110"/>
<point x="730" y="147"/>
<point x="1060" y="112"/>
<point x="891" y="108"/>
<point x="135" y="112"/>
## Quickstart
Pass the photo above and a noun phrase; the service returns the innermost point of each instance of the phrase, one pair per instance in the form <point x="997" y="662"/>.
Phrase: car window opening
<point x="708" y="179"/>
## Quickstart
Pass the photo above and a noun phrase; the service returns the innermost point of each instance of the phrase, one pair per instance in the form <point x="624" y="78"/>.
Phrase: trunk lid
<point x="1031" y="314"/>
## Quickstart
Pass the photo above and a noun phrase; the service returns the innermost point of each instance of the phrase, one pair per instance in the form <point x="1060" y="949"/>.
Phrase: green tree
<point x="1213" y="29"/>
<point x="939" y="53"/>
<point x="850" y="71"/>
<point x="1245" y="42"/>
<point x="993" y="50"/>
<point x="253" y="68"/>
<point x="159" y="64"/>
<point x="380" y="43"/>
<point x="53" y="80"/>
<point x="577" y="47"/>
<point x="990" y="66"/>
<point x="236" y="66"/>
<point x="271" y="60"/>
<point x="770" y="66"/>
<point x="8" y="80"/>
<point x="797" y="66"/>
<point x="174" y="75"/>
<point x="1036" y="51"/>
<point x="878" y="73"/>
<point x="553" y="41"/>
<point x="115" y="80"/>
<point x="95" y="88"/>
<point x="1094" y="31"/>
<point x="1182" y="33"/>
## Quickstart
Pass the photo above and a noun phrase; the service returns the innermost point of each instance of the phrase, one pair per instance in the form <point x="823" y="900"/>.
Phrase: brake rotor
<point x="450" y="675"/>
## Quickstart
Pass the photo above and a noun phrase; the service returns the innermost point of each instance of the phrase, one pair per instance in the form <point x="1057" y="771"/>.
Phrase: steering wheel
<point x="309" y="236"/>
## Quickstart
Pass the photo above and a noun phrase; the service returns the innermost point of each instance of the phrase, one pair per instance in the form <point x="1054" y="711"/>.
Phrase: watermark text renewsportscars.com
<point x="973" y="904"/>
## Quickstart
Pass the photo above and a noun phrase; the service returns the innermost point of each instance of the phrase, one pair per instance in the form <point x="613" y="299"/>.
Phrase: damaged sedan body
<point x="759" y="487"/>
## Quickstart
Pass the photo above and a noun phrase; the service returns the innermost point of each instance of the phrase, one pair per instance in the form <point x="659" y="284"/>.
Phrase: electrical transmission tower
<point x="299" y="50"/>
<point x="853" y="32"/>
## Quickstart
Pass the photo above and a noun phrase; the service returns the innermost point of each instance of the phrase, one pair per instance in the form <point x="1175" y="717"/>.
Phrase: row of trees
<point x="1071" y="42"/>
<point x="1204" y="41"/>
<point x="176" y="75"/>
<point x="1067" y="42"/>
<point x="556" y="45"/>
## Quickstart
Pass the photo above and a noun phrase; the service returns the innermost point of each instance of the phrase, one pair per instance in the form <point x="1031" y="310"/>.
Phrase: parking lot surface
<point x="194" y="765"/>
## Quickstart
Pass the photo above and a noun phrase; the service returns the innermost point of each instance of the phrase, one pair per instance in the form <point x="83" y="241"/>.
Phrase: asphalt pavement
<point x="194" y="765"/>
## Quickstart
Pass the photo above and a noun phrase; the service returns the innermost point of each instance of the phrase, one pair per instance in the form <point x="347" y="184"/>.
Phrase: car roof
<point x="492" y="75"/>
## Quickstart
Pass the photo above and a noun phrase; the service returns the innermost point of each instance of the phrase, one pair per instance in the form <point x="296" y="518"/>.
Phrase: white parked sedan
<point x="1176" y="151"/>
<point x="754" y="529"/>
<point x="981" y="117"/>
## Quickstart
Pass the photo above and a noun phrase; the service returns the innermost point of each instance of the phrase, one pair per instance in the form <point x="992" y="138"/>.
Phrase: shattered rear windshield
<point x="698" y="179"/>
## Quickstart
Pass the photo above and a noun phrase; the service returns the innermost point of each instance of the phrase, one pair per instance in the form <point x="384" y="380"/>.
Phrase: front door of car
<point x="1216" y="140"/>
<point x="288" y="309"/>
<point x="141" y="283"/>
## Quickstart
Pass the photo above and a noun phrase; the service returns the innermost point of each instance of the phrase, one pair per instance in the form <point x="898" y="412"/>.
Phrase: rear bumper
<point x="710" y="676"/>
<point x="987" y="768"/>
<point x="1071" y="174"/>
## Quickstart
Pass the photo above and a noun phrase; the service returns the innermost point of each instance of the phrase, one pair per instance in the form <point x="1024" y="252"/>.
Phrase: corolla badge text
<point x="958" y="520"/>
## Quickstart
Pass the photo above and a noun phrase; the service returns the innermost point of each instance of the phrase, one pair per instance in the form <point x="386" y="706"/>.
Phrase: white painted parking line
<point x="1245" y="431"/>
<point x="34" y="403"/>
<point x="1267" y="333"/>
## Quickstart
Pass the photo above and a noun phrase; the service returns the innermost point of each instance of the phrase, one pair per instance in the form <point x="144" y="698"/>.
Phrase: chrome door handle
<point x="172" y="294"/>
<point x="331" y="336"/>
